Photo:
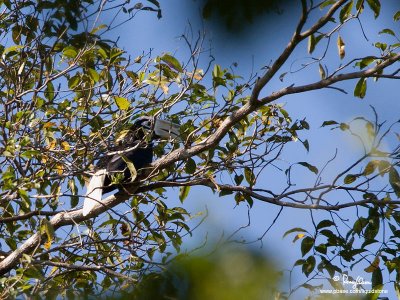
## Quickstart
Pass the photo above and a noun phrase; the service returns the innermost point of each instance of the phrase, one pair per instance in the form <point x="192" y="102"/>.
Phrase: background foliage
<point x="67" y="92"/>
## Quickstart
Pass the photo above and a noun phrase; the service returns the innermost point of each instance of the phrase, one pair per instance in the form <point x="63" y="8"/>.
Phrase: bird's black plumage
<point x="136" y="147"/>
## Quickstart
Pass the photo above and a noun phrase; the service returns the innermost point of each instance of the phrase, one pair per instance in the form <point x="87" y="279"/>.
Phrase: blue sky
<point x="252" y="49"/>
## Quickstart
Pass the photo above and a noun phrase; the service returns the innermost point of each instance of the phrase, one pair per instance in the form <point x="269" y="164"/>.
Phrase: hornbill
<point x="134" y="147"/>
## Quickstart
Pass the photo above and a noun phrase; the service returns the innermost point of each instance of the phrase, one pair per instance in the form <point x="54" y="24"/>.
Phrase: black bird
<point x="135" y="148"/>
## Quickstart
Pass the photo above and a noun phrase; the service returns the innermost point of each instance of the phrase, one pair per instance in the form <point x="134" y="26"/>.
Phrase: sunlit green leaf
<point x="297" y="229"/>
<point x="361" y="88"/>
<point x="345" y="11"/>
<point x="93" y="75"/>
<point x="249" y="175"/>
<point x="350" y="178"/>
<point x="172" y="62"/>
<point x="70" y="52"/>
<point x="311" y="43"/>
<point x="375" y="6"/>
<point x="183" y="193"/>
<point x="122" y="103"/>
<point x="387" y="31"/>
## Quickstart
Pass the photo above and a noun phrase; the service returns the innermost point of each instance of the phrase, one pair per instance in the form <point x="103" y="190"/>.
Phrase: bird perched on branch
<point x="133" y="151"/>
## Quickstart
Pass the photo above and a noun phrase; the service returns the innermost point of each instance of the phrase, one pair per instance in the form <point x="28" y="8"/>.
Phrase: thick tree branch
<point x="28" y="216"/>
<point x="294" y="41"/>
<point x="59" y="220"/>
<point x="241" y="113"/>
<point x="372" y="72"/>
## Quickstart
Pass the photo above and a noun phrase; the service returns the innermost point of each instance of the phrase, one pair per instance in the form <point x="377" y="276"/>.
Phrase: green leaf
<point x="306" y="145"/>
<point x="296" y="229"/>
<point x="30" y="154"/>
<point x="16" y="34"/>
<point x="26" y="204"/>
<point x="101" y="26"/>
<point x="217" y="72"/>
<point x="115" y="53"/>
<point x="249" y="175"/>
<point x="155" y="2"/>
<point x="350" y="178"/>
<point x="375" y="6"/>
<point x="225" y="193"/>
<point x="345" y="11"/>
<point x="238" y="179"/>
<point x="382" y="46"/>
<point x="305" y="124"/>
<point x="325" y="223"/>
<point x="190" y="166"/>
<point x="394" y="180"/>
<point x="74" y="191"/>
<point x="299" y="262"/>
<point x="183" y="193"/>
<point x="131" y="168"/>
<point x="396" y="16"/>
<point x="329" y="123"/>
<point x="372" y="229"/>
<point x="370" y="167"/>
<point x="326" y="3"/>
<point x="172" y="62"/>
<point x="12" y="49"/>
<point x="74" y="81"/>
<point x="309" y="166"/>
<point x="360" y="5"/>
<point x="49" y="92"/>
<point x="306" y="244"/>
<point x="47" y="227"/>
<point x="387" y="31"/>
<point x="70" y="52"/>
<point x="359" y="225"/>
<point x="361" y="88"/>
<point x="365" y="62"/>
<point x="322" y="248"/>
<point x="282" y="76"/>
<point x="309" y="265"/>
<point x="122" y="103"/>
<point x="311" y="43"/>
<point x="384" y="167"/>
<point x="93" y="75"/>
<point x="377" y="279"/>
<point x="239" y="198"/>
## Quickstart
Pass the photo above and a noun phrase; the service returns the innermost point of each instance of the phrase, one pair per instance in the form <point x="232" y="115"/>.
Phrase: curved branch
<point x="59" y="220"/>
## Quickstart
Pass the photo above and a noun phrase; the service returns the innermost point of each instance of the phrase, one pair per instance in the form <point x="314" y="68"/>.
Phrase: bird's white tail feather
<point x="94" y="191"/>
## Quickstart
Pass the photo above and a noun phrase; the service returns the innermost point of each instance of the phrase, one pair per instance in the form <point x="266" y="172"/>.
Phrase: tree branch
<point x="59" y="220"/>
